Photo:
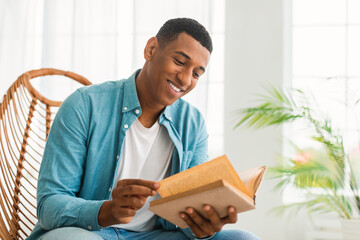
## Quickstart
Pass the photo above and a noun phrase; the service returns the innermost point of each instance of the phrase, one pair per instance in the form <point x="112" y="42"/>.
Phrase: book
<point x="215" y="183"/>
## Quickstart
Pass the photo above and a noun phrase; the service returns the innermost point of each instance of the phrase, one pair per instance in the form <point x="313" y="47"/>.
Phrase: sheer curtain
<point x="104" y="40"/>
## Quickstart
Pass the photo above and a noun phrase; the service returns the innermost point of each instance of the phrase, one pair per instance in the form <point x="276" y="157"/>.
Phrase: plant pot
<point x="350" y="229"/>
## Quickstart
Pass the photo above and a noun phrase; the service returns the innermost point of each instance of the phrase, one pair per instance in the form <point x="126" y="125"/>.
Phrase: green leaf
<point x="325" y="172"/>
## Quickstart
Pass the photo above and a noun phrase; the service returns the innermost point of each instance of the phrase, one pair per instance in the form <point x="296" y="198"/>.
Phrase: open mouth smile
<point x="175" y="88"/>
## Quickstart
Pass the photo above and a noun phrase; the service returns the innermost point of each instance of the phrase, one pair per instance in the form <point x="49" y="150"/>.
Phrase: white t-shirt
<point x="147" y="155"/>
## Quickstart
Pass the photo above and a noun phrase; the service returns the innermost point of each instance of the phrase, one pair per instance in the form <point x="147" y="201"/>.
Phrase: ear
<point x="150" y="48"/>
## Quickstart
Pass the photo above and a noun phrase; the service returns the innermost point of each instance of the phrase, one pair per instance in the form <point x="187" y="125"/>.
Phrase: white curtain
<point x="104" y="40"/>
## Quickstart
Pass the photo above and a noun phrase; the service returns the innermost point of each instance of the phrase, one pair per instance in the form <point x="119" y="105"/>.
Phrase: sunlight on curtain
<point x="104" y="40"/>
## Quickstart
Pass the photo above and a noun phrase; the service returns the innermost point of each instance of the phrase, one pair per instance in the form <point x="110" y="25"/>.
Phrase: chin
<point x="169" y="103"/>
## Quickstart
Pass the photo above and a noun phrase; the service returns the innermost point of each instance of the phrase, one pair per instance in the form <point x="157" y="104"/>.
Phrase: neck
<point x="150" y="110"/>
<point x="148" y="120"/>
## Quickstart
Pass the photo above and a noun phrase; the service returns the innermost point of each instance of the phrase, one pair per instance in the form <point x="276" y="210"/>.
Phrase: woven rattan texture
<point x="25" y="121"/>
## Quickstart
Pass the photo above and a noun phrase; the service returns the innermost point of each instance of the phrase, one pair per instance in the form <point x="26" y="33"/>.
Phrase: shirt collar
<point x="167" y="113"/>
<point x="130" y="100"/>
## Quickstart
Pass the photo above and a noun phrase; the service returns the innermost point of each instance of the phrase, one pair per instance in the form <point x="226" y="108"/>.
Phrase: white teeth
<point x="175" y="88"/>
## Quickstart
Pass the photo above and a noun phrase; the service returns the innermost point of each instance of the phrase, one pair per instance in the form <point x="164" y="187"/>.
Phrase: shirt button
<point x="137" y="111"/>
<point x="89" y="227"/>
<point x="126" y="126"/>
<point x="109" y="189"/>
<point x="170" y="118"/>
<point x="117" y="157"/>
<point x="125" y="108"/>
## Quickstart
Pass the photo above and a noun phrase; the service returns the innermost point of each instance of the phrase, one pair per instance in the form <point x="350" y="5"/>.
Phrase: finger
<point x="204" y="225"/>
<point x="123" y="212"/>
<point x="194" y="228"/>
<point x="135" y="190"/>
<point x="232" y="216"/>
<point x="146" y="183"/>
<point x="214" y="218"/>
<point x="142" y="197"/>
<point x="132" y="202"/>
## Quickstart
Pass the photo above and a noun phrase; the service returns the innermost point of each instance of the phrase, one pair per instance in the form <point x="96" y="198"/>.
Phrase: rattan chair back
<point x="25" y="121"/>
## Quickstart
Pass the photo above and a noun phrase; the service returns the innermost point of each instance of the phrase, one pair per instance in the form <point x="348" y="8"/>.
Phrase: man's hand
<point x="202" y="227"/>
<point x="129" y="196"/>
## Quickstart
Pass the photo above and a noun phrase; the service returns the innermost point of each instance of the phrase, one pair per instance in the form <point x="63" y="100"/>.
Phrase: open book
<point x="215" y="183"/>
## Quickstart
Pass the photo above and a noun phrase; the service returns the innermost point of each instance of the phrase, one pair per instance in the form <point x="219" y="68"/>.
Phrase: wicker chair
<point x="25" y="120"/>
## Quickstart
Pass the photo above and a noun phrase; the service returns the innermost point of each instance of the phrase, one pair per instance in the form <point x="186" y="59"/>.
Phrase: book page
<point x="252" y="178"/>
<point x="209" y="172"/>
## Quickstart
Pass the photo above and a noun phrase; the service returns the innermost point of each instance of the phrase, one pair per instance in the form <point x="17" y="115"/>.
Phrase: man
<point x="111" y="143"/>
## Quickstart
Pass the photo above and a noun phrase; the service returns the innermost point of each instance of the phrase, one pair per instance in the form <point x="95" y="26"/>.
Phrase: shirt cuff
<point x="204" y="238"/>
<point x="89" y="215"/>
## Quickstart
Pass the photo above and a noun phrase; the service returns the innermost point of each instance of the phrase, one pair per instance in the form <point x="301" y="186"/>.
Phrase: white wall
<point x="254" y="57"/>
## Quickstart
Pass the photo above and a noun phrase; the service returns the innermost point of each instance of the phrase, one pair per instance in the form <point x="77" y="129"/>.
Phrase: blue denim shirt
<point x="83" y="150"/>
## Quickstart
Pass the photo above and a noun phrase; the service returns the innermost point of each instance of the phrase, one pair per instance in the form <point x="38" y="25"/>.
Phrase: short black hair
<point x="173" y="27"/>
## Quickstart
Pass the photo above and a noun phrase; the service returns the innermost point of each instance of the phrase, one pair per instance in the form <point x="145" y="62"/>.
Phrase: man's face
<point x="175" y="69"/>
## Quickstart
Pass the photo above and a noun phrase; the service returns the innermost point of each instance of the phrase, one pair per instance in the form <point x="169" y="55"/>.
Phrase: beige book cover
<point x="215" y="183"/>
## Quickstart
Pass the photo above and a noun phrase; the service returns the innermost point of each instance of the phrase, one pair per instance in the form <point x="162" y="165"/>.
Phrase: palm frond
<point x="326" y="173"/>
<point x="267" y="114"/>
<point x="309" y="175"/>
<point x="318" y="203"/>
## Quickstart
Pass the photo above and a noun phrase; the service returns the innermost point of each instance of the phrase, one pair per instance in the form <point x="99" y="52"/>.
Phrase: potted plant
<point x="326" y="174"/>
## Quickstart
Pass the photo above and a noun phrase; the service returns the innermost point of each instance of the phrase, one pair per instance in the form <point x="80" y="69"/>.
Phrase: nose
<point x="185" y="78"/>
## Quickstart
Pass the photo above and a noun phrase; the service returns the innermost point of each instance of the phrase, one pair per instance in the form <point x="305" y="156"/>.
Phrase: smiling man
<point x="111" y="143"/>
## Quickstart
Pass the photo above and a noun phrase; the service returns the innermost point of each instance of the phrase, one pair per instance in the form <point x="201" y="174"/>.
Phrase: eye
<point x="196" y="75"/>
<point x="178" y="62"/>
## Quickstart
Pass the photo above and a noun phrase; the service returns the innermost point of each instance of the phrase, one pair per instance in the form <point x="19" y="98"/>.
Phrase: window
<point x="326" y="63"/>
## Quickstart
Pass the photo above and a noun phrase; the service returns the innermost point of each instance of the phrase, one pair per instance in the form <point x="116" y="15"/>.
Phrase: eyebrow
<point x="187" y="56"/>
